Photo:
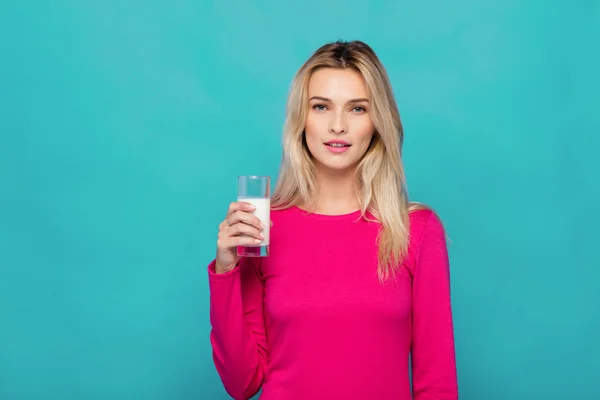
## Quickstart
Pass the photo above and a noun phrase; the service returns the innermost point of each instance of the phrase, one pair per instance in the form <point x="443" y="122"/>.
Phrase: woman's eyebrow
<point x="360" y="100"/>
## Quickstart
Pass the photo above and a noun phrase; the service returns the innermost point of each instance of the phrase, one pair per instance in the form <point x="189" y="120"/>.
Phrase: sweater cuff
<point x="224" y="276"/>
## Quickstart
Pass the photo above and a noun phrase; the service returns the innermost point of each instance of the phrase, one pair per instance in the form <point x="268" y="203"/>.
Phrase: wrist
<point x="223" y="269"/>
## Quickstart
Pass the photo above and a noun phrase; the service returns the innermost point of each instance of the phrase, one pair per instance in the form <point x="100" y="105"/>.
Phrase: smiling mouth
<point x="337" y="145"/>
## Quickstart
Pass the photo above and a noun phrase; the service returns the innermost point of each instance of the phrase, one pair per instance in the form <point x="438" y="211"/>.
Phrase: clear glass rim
<point x="254" y="177"/>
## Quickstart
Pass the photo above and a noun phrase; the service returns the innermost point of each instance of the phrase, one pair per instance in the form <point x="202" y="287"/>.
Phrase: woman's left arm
<point x="433" y="357"/>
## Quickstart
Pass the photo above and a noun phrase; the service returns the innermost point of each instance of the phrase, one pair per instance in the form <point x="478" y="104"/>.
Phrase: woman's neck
<point x="336" y="193"/>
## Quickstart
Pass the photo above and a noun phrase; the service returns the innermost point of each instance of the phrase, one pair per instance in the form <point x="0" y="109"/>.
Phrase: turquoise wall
<point x="124" y="125"/>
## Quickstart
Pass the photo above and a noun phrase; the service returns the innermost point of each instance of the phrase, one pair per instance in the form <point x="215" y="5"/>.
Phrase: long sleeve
<point x="238" y="335"/>
<point x="432" y="352"/>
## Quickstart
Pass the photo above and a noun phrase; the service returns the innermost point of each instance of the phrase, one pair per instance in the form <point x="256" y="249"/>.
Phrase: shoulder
<point x="427" y="233"/>
<point x="425" y="222"/>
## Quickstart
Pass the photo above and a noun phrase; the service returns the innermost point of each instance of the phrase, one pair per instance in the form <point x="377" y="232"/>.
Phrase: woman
<point x="357" y="279"/>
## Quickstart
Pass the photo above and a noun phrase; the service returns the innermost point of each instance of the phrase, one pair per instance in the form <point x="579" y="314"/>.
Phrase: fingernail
<point x="257" y="241"/>
<point x="262" y="225"/>
<point x="262" y="237"/>
<point x="251" y="207"/>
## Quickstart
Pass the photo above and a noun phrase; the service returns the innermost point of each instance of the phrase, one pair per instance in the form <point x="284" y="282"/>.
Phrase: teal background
<point x="124" y="124"/>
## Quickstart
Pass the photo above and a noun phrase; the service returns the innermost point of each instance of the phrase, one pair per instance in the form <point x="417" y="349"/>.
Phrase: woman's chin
<point x="329" y="167"/>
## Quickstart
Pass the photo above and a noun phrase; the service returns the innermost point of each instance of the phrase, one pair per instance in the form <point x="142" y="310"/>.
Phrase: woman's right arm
<point x="238" y="335"/>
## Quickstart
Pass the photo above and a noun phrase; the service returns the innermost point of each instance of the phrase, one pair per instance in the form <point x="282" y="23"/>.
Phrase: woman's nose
<point x="337" y="125"/>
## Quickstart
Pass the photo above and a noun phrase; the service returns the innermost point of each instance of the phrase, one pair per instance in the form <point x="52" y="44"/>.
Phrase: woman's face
<point x="339" y="127"/>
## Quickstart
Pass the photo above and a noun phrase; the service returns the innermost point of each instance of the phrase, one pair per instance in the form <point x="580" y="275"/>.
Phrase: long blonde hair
<point x="383" y="190"/>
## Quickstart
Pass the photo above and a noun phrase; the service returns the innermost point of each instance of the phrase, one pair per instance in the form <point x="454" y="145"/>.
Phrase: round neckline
<point x="351" y="214"/>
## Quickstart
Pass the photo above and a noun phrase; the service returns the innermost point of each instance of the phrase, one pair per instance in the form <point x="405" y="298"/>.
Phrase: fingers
<point x="245" y="230"/>
<point x="240" y="211"/>
<point x="244" y="217"/>
<point x="240" y="206"/>
<point x="240" y="227"/>
<point x="230" y="242"/>
<point x="241" y="222"/>
<point x="239" y="235"/>
<point x="236" y="206"/>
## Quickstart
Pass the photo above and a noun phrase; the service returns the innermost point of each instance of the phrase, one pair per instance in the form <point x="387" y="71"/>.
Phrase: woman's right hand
<point x="239" y="228"/>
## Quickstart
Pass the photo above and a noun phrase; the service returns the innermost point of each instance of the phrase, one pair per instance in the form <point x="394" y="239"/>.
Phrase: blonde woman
<point x="357" y="280"/>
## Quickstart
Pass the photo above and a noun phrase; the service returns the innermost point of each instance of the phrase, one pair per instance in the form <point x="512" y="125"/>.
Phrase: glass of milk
<point x="256" y="190"/>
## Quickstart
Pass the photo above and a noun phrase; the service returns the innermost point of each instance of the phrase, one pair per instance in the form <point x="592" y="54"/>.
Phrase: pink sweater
<point x="311" y="321"/>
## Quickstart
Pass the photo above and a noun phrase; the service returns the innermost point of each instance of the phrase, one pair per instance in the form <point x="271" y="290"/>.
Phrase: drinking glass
<point x="256" y="190"/>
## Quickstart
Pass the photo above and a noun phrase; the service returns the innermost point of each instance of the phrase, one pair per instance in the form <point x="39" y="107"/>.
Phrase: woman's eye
<point x="359" y="109"/>
<point x="319" y="107"/>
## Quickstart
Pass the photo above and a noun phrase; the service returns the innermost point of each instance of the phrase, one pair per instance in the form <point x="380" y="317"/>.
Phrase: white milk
<point x="263" y="212"/>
